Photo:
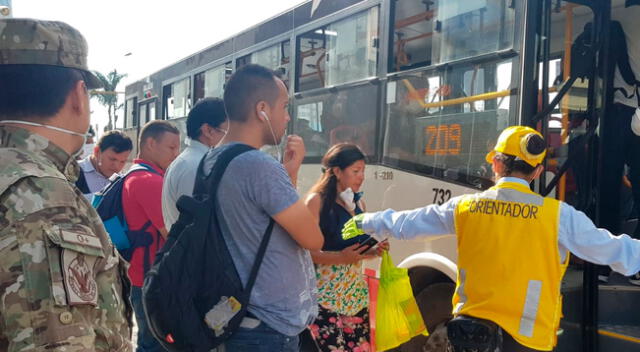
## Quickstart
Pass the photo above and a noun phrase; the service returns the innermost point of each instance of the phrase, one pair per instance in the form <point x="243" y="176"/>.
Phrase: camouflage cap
<point x="26" y="41"/>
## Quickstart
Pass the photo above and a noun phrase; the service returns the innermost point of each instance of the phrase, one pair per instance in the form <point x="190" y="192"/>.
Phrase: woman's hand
<point x="351" y="254"/>
<point x="378" y="249"/>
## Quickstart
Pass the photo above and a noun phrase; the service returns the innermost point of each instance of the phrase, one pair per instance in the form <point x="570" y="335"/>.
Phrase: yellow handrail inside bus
<point x="456" y="101"/>
<point x="413" y="93"/>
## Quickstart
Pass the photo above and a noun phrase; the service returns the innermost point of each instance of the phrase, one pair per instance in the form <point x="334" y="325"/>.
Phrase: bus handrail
<point x="456" y="101"/>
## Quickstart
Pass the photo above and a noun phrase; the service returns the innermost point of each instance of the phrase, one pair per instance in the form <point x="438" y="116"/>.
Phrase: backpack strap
<point x="259" y="256"/>
<point x="211" y="189"/>
<point x="141" y="167"/>
<point x="207" y="184"/>
<point x="81" y="183"/>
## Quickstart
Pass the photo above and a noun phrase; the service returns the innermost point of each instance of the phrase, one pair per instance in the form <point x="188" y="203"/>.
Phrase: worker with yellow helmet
<point x="513" y="249"/>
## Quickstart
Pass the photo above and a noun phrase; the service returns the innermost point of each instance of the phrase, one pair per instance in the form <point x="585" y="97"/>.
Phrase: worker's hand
<point x="353" y="227"/>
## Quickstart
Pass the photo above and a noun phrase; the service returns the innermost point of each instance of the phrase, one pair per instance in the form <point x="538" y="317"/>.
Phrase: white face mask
<point x="347" y="197"/>
<point x="29" y="123"/>
<point x="87" y="150"/>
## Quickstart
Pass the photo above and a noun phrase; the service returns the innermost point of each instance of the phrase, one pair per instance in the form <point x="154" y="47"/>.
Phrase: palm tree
<point x="109" y="97"/>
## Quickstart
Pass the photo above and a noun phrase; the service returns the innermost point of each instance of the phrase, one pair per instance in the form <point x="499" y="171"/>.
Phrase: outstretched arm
<point x="431" y="220"/>
<point x="581" y="237"/>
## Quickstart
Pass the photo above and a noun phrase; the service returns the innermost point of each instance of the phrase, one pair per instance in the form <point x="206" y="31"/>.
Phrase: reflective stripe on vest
<point x="509" y="270"/>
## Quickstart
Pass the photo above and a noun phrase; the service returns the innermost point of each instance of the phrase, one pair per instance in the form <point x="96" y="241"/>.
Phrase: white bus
<point x="424" y="87"/>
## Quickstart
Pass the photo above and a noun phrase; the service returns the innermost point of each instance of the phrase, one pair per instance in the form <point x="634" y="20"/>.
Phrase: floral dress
<point x="343" y="294"/>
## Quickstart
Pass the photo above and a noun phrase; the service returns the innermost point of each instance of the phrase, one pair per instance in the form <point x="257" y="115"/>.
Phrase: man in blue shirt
<point x="254" y="188"/>
<point x="106" y="159"/>
<point x="206" y="125"/>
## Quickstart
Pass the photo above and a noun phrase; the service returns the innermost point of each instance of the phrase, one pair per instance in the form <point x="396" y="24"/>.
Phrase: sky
<point x="157" y="33"/>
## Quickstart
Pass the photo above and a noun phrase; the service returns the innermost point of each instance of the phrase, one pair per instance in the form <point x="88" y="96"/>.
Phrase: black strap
<point x="146" y="263"/>
<point x="206" y="185"/>
<point x="259" y="256"/>
<point x="210" y="188"/>
<point x="81" y="183"/>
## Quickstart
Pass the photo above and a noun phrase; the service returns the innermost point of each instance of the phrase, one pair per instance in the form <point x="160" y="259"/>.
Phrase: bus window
<point x="344" y="51"/>
<point x="144" y="118"/>
<point x="433" y="32"/>
<point x="152" y="110"/>
<point x="177" y="99"/>
<point x="348" y="115"/>
<point x="242" y="61"/>
<point x="412" y="34"/>
<point x="465" y="29"/>
<point x="129" y="117"/>
<point x="211" y="82"/>
<point x="276" y="58"/>
<point x="431" y="133"/>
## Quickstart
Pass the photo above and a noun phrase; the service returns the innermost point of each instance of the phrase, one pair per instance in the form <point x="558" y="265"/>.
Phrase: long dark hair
<point x="341" y="155"/>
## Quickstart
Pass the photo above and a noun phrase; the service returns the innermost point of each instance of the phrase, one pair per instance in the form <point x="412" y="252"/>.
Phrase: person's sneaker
<point x="635" y="279"/>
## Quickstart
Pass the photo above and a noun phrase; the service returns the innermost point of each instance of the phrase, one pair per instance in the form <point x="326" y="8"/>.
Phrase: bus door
<point x="570" y="101"/>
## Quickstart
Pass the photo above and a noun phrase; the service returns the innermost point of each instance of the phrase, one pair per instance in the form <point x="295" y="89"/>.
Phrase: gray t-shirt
<point x="253" y="188"/>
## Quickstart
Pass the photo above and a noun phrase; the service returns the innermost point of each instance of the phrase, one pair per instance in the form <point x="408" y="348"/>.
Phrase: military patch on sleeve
<point x="79" y="278"/>
<point x="80" y="238"/>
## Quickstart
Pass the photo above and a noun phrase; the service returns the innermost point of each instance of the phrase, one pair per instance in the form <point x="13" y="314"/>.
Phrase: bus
<point x="424" y="87"/>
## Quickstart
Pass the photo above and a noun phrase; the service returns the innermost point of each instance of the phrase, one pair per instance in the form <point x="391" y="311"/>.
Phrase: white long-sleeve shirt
<point x="577" y="233"/>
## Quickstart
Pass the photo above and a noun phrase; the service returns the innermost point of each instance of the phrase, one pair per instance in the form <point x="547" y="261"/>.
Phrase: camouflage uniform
<point x="60" y="274"/>
<point x="62" y="285"/>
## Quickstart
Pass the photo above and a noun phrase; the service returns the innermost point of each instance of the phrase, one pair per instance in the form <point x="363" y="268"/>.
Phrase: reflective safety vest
<point x="509" y="268"/>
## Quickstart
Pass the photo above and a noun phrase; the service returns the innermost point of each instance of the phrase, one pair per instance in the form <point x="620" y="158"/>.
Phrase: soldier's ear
<point x="78" y="99"/>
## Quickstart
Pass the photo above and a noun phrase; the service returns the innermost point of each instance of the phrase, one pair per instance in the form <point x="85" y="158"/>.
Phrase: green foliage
<point x="108" y="96"/>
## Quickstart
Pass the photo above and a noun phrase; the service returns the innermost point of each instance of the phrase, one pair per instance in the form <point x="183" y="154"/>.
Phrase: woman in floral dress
<point x="343" y="295"/>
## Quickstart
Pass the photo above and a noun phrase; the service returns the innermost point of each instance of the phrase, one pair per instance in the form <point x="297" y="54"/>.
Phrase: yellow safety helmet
<point x="513" y="141"/>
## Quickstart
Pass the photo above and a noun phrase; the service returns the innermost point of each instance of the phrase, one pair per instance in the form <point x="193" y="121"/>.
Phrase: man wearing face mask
<point x="64" y="286"/>
<point x="206" y="125"/>
<point x="89" y="144"/>
<point x="104" y="160"/>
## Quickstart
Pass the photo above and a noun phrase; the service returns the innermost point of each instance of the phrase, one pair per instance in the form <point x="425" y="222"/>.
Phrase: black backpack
<point x="108" y="204"/>
<point x="194" y="271"/>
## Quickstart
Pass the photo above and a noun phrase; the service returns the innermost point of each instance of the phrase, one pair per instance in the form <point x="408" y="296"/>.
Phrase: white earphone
<point x="275" y="140"/>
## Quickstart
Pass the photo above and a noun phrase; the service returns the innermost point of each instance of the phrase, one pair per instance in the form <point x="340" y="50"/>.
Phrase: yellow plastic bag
<point x="398" y="318"/>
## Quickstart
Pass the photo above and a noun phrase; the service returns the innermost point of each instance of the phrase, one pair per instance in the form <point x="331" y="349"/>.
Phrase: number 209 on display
<point x="443" y="139"/>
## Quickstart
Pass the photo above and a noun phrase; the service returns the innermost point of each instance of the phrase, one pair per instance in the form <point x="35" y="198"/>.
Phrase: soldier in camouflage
<point x="63" y="286"/>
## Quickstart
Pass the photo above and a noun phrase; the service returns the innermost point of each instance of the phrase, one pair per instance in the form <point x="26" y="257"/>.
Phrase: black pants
<point x="621" y="146"/>
<point x="510" y="345"/>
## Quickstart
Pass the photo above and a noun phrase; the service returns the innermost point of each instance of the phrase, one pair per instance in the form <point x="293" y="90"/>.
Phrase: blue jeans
<point x="261" y="339"/>
<point x="146" y="341"/>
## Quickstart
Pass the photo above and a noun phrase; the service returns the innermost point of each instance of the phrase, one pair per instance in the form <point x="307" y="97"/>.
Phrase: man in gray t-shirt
<point x="255" y="188"/>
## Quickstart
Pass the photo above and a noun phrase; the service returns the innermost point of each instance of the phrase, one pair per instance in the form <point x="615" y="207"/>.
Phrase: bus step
<point x="619" y="337"/>
<point x="619" y="305"/>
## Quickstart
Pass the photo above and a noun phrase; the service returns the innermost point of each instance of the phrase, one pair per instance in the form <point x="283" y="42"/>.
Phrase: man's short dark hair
<point x="155" y="129"/>
<point x="208" y="111"/>
<point x="116" y="140"/>
<point x="246" y="87"/>
<point x="35" y="91"/>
